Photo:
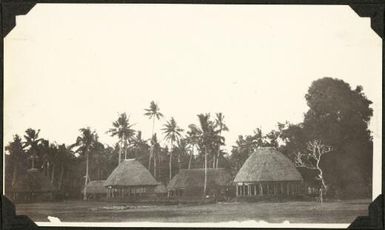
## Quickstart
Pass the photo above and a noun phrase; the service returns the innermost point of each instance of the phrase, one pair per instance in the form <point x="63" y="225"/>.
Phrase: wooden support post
<point x="236" y="190"/>
<point x="249" y="190"/>
<point x="260" y="189"/>
<point x="288" y="189"/>
<point x="241" y="190"/>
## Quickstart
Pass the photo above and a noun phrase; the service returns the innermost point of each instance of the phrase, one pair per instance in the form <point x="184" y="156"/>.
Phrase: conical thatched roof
<point x="130" y="173"/>
<point x="267" y="164"/>
<point x="34" y="181"/>
<point x="96" y="187"/>
<point x="195" y="178"/>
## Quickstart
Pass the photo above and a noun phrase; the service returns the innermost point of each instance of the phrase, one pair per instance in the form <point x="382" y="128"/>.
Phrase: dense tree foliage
<point x="339" y="116"/>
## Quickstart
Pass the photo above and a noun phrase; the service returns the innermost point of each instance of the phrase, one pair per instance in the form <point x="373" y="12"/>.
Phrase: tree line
<point x="338" y="116"/>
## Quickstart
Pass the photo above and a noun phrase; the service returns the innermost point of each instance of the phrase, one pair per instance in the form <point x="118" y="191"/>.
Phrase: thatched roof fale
<point x="188" y="178"/>
<point x="96" y="187"/>
<point x="130" y="173"/>
<point x="267" y="164"/>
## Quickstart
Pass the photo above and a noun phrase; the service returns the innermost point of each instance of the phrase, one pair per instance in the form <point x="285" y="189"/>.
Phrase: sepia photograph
<point x="192" y="115"/>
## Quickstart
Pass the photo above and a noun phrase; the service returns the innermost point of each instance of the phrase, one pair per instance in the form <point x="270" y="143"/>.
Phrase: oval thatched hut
<point x="130" y="179"/>
<point x="33" y="185"/>
<point x="189" y="183"/>
<point x="268" y="172"/>
<point x="96" y="189"/>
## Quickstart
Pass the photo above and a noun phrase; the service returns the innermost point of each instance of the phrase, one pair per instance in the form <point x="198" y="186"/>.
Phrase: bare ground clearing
<point x="274" y="212"/>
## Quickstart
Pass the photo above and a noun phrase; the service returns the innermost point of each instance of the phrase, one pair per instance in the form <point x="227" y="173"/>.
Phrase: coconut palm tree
<point x="64" y="156"/>
<point x="52" y="158"/>
<point x="32" y="141"/>
<point x="205" y="124"/>
<point x="153" y="113"/>
<point x="208" y="139"/>
<point x="140" y="147"/>
<point x="172" y="134"/>
<point x="219" y="122"/>
<point x="86" y="142"/>
<point x="183" y="149"/>
<point x="123" y="130"/>
<point x="155" y="148"/>
<point x="193" y="140"/>
<point x="48" y="156"/>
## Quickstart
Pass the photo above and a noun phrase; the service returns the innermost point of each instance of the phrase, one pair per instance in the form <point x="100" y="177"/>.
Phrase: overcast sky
<point x="72" y="66"/>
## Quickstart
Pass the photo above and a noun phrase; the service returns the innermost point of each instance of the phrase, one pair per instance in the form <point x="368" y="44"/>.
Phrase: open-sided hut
<point x="33" y="185"/>
<point x="268" y="172"/>
<point x="95" y="189"/>
<point x="130" y="179"/>
<point x="189" y="183"/>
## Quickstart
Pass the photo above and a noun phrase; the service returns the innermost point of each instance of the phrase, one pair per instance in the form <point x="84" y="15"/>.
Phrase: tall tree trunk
<point x="189" y="161"/>
<point x="321" y="178"/>
<point x="154" y="164"/>
<point x="205" y="182"/>
<point x="98" y="173"/>
<point x="179" y="163"/>
<point x="219" y="148"/>
<point x="14" y="175"/>
<point x="153" y="147"/>
<point x="120" y="153"/>
<point x="86" y="179"/>
<point x="61" y="176"/>
<point x="214" y="160"/>
<point x="158" y="169"/>
<point x="53" y="174"/>
<point x="217" y="163"/>
<point x="33" y="163"/>
<point x="149" y="160"/>
<point x="45" y="168"/>
<point x="170" y="164"/>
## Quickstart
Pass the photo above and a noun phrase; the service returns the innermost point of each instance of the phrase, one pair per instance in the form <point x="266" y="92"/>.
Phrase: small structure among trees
<point x="189" y="183"/>
<point x="96" y="190"/>
<point x="130" y="180"/>
<point x="268" y="173"/>
<point x="33" y="186"/>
